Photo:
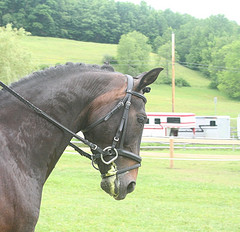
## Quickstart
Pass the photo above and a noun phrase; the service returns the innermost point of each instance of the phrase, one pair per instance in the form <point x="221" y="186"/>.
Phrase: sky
<point x="199" y="9"/>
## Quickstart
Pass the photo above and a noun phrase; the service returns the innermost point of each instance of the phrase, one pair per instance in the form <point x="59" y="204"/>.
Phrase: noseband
<point x="98" y="153"/>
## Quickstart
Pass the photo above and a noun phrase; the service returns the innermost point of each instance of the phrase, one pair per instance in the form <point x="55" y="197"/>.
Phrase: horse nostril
<point x="131" y="187"/>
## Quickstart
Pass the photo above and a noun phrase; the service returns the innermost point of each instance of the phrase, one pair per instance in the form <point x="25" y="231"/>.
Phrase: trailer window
<point x="147" y="121"/>
<point x="157" y="121"/>
<point x="173" y="120"/>
<point x="212" y="123"/>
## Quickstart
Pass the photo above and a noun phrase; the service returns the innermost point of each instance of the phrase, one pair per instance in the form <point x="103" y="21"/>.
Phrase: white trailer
<point x="212" y="127"/>
<point x="188" y="125"/>
<point x="163" y="124"/>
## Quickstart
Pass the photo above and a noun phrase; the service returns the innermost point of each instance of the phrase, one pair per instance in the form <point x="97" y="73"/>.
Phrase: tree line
<point x="201" y="44"/>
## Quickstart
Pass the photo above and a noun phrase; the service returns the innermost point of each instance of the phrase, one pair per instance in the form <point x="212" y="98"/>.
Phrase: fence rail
<point x="184" y="147"/>
<point x="179" y="143"/>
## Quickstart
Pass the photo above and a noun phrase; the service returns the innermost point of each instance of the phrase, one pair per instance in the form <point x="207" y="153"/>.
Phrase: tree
<point x="229" y="79"/>
<point x="162" y="40"/>
<point x="128" y="16"/>
<point x="165" y="56"/>
<point x="15" y="62"/>
<point x="41" y="21"/>
<point x="218" y="52"/>
<point x="133" y="53"/>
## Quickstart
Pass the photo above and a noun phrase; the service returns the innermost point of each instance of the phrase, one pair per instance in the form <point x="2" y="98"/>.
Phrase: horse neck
<point x="39" y="144"/>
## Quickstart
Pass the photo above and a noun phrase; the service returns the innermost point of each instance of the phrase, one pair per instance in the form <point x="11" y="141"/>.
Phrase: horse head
<point x="115" y="123"/>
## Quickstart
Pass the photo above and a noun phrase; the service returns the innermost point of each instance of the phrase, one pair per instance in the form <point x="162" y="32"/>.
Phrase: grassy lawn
<point x="194" y="196"/>
<point x="50" y="51"/>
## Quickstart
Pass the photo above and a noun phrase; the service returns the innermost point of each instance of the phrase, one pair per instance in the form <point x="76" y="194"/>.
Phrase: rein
<point x="98" y="153"/>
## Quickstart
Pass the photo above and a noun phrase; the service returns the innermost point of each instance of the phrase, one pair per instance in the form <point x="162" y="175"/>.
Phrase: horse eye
<point x="141" y="120"/>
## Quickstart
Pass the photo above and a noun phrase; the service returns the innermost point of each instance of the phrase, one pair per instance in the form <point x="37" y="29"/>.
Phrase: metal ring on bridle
<point x="110" y="150"/>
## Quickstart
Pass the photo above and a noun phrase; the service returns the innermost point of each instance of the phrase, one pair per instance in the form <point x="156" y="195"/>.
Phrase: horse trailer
<point x="187" y="125"/>
<point x="213" y="127"/>
<point x="166" y="124"/>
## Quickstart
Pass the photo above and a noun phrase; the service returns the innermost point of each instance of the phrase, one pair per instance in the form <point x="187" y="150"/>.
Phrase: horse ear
<point x="147" y="78"/>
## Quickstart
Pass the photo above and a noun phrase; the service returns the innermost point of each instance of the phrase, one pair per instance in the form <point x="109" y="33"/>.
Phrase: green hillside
<point x="196" y="99"/>
<point x="46" y="50"/>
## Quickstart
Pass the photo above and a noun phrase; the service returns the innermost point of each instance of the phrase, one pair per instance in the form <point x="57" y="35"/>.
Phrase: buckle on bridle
<point x="94" y="147"/>
<point x="112" y="152"/>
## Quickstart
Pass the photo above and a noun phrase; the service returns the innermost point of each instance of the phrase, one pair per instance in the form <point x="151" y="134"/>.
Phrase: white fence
<point x="194" y="144"/>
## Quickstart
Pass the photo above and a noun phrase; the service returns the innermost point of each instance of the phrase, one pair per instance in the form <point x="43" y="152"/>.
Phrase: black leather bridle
<point x="117" y="145"/>
<point x="98" y="153"/>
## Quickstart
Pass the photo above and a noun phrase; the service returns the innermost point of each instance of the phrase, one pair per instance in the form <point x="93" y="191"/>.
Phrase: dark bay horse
<point x="76" y="96"/>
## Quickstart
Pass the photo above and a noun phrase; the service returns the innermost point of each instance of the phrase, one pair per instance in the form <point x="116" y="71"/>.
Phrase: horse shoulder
<point x="19" y="194"/>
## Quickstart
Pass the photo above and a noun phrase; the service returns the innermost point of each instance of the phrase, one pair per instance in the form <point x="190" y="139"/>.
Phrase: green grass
<point x="46" y="50"/>
<point x="194" y="196"/>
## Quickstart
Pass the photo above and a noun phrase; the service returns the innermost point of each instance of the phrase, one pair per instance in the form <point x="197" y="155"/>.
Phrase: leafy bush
<point x="43" y="66"/>
<point x="180" y="82"/>
<point x="109" y="59"/>
<point x="15" y="61"/>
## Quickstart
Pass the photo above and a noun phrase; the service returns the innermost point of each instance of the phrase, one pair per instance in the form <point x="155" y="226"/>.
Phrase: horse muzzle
<point x="118" y="182"/>
<point x="118" y="187"/>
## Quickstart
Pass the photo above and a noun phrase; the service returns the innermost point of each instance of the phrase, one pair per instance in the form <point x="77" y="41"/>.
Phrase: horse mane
<point x="68" y="68"/>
